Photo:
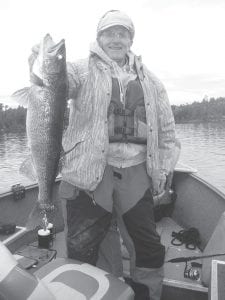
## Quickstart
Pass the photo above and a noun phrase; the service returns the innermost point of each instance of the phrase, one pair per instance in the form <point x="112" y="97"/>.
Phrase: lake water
<point x="203" y="147"/>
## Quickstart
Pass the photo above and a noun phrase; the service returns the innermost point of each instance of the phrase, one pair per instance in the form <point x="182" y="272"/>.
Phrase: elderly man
<point x="121" y="118"/>
<point x="123" y="128"/>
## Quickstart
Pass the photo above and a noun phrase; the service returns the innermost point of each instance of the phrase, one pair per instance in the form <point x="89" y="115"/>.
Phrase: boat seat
<point x="62" y="278"/>
<point x="71" y="279"/>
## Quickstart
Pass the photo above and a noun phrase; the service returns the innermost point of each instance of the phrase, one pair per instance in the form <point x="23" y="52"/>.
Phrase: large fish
<point x="46" y="104"/>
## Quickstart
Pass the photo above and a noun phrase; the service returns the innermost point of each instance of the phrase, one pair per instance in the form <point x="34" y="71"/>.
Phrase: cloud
<point x="181" y="41"/>
<point x="190" y="88"/>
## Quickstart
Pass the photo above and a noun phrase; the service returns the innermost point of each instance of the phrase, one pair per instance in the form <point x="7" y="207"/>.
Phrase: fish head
<point x="54" y="55"/>
<point x="51" y="58"/>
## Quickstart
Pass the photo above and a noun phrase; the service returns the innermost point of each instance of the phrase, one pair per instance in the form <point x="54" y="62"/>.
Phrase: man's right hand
<point x="32" y="58"/>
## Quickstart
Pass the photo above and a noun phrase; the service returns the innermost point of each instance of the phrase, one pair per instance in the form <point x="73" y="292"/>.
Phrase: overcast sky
<point x="181" y="41"/>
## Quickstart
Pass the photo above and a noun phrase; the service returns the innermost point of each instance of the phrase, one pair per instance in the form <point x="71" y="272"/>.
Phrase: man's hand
<point x="31" y="60"/>
<point x="33" y="56"/>
<point x="159" y="182"/>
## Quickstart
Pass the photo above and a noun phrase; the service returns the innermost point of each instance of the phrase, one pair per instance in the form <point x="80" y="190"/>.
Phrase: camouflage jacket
<point x="90" y="86"/>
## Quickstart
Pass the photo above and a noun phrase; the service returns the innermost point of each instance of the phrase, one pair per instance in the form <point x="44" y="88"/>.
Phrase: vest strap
<point x="124" y="131"/>
<point x="123" y="112"/>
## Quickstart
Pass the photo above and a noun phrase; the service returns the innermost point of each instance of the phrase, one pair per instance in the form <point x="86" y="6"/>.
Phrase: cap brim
<point x="116" y="24"/>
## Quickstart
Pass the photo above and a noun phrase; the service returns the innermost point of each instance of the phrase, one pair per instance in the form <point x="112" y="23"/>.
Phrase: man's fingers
<point x="35" y="49"/>
<point x="159" y="185"/>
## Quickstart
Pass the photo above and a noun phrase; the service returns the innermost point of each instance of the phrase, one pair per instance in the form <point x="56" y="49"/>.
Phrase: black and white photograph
<point x="112" y="150"/>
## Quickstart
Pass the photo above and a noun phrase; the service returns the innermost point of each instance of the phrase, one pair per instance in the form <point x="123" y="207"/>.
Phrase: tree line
<point x="14" y="119"/>
<point x="212" y="110"/>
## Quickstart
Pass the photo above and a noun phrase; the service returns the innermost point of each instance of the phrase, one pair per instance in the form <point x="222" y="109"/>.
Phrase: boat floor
<point x="174" y="272"/>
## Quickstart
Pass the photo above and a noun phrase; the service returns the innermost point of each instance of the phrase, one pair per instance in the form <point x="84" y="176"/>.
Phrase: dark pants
<point x="88" y="218"/>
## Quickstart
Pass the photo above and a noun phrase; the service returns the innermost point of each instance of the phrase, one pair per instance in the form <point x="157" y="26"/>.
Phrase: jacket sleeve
<point x="73" y="80"/>
<point x="166" y="130"/>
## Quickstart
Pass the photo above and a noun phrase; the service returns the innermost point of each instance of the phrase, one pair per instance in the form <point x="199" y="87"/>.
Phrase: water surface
<point x="203" y="147"/>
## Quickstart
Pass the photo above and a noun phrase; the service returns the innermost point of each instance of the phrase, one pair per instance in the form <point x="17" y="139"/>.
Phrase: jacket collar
<point x="96" y="50"/>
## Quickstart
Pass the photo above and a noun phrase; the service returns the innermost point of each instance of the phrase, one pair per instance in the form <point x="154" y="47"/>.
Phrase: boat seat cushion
<point x="71" y="279"/>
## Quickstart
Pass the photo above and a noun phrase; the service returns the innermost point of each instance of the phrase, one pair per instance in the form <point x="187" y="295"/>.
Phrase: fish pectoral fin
<point x="27" y="169"/>
<point x="21" y="96"/>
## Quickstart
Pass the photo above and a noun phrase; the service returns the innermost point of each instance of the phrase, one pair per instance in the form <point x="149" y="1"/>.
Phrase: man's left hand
<point x="159" y="182"/>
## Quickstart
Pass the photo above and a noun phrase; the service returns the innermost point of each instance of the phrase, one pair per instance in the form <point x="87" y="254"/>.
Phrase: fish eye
<point x="59" y="56"/>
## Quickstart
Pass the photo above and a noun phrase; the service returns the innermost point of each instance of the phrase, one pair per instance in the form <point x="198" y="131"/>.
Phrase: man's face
<point x="116" y="42"/>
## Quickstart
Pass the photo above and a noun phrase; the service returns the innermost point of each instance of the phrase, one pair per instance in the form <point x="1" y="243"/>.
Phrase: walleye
<point x="46" y="105"/>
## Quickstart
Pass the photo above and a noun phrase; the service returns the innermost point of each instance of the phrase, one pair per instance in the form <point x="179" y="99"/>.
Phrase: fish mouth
<point x="51" y="47"/>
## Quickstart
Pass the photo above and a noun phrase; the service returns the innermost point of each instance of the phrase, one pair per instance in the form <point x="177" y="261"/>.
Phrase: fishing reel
<point x="192" y="271"/>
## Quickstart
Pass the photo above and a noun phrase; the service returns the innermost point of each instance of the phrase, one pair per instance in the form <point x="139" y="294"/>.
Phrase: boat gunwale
<point x="26" y="186"/>
<point x="194" y="175"/>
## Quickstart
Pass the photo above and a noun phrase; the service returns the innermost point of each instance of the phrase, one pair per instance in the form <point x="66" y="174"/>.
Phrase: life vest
<point x="127" y="121"/>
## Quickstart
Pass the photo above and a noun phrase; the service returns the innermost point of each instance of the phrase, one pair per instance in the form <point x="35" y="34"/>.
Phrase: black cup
<point x="44" y="238"/>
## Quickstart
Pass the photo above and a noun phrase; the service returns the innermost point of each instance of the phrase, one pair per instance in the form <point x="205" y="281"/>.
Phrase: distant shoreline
<point x="23" y="130"/>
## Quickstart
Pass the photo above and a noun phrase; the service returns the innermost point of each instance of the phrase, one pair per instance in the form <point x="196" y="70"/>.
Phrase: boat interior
<point x="196" y="204"/>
